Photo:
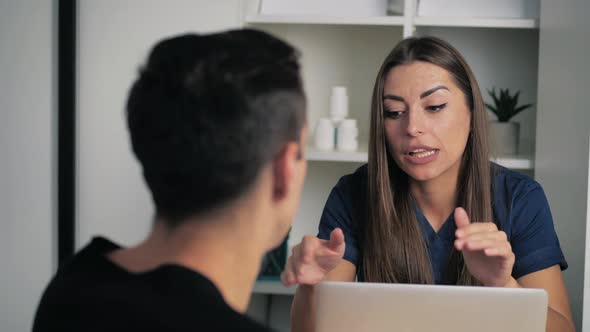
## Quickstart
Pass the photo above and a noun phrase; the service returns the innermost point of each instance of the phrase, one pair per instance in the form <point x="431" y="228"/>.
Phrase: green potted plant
<point x="505" y="106"/>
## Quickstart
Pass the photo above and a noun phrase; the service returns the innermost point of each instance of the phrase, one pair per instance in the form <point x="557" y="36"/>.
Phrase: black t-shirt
<point x="91" y="293"/>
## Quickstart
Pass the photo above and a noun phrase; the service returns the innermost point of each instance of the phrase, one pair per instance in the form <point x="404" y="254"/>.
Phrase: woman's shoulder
<point x="350" y="189"/>
<point x="518" y="200"/>
<point x="507" y="181"/>
<point x="516" y="196"/>
<point x="354" y="180"/>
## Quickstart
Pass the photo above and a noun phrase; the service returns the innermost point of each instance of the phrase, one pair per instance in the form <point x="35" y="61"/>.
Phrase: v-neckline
<point x="446" y="231"/>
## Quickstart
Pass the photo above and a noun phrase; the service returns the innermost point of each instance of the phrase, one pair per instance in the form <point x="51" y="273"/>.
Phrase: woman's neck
<point x="436" y="198"/>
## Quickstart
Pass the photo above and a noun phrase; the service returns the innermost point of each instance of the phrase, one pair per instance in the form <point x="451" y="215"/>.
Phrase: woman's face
<point x="427" y="120"/>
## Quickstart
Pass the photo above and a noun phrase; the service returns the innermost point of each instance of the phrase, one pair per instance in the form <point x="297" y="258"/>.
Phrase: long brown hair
<point x="393" y="249"/>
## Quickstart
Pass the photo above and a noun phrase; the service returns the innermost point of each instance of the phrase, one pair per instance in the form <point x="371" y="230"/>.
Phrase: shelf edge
<point x="327" y="20"/>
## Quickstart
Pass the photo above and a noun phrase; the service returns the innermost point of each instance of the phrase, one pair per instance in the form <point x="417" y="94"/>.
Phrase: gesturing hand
<point x="487" y="253"/>
<point x="313" y="258"/>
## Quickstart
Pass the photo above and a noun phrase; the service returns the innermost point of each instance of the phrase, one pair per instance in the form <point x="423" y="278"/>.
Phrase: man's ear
<point x="284" y="168"/>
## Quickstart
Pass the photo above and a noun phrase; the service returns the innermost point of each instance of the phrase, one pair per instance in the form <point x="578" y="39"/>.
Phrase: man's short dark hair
<point x="208" y="112"/>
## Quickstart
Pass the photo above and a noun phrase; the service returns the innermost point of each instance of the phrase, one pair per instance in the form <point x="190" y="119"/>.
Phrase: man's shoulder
<point x="171" y="318"/>
<point x="86" y="265"/>
<point x="92" y="256"/>
<point x="170" y="297"/>
<point x="203" y="315"/>
<point x="227" y="322"/>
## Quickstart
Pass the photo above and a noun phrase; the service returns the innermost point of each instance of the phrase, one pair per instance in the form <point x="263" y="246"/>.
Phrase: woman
<point x="429" y="208"/>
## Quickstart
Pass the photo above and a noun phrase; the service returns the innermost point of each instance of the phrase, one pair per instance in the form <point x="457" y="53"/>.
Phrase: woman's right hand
<point x="313" y="258"/>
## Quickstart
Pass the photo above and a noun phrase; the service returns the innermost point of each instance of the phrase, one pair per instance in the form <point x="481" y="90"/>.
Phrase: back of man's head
<point x="208" y="112"/>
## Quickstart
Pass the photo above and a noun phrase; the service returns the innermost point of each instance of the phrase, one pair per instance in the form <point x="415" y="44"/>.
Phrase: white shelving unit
<point x="476" y="22"/>
<point x="327" y="20"/>
<point x="356" y="156"/>
<point x="513" y="162"/>
<point x="348" y="51"/>
<point x="516" y="162"/>
<point x="408" y="22"/>
<point x="396" y="21"/>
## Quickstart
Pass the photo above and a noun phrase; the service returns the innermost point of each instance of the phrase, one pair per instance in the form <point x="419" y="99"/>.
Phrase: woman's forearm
<point x="303" y="309"/>
<point x="557" y="322"/>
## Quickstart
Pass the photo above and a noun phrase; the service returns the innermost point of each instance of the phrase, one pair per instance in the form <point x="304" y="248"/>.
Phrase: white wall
<point x="27" y="164"/>
<point x="114" y="38"/>
<point x="563" y="125"/>
<point x="586" y="300"/>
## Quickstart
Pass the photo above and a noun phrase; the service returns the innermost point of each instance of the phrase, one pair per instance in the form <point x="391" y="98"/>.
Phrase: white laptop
<point x="353" y="306"/>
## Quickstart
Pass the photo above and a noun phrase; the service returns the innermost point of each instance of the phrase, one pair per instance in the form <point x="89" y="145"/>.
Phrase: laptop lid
<point x="354" y="306"/>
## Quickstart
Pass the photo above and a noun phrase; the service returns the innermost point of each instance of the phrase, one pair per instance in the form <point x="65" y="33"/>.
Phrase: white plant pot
<point x="505" y="135"/>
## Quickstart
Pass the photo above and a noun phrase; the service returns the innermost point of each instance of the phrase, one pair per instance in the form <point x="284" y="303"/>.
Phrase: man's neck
<point x="219" y="249"/>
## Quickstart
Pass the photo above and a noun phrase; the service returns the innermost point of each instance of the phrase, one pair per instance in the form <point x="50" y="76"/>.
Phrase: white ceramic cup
<point x="347" y="137"/>
<point x="324" y="134"/>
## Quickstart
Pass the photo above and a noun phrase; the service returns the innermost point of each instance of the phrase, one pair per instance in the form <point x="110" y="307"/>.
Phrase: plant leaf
<point x="520" y="109"/>
<point x="505" y="105"/>
<point x="515" y="100"/>
<point x="493" y="109"/>
<point x="492" y="93"/>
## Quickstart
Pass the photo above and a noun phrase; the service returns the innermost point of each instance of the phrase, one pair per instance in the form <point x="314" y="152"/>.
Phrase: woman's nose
<point x="414" y="123"/>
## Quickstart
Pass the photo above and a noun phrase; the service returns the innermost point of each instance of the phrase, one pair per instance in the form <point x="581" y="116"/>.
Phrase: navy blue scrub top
<point x="520" y="209"/>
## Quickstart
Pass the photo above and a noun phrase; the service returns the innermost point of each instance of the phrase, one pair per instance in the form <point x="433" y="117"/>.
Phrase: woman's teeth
<point x="421" y="153"/>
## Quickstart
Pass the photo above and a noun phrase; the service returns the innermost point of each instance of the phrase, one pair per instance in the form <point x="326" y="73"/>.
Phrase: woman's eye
<point x="393" y="114"/>
<point x="436" y="108"/>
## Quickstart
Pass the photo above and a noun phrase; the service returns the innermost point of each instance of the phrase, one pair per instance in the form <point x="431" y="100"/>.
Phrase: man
<point x="217" y="123"/>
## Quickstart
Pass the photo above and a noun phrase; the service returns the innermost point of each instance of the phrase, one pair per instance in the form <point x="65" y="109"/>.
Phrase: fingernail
<point x="459" y="233"/>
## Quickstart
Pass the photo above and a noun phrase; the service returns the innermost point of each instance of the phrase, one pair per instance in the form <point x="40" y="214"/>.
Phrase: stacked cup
<point x="324" y="135"/>
<point x="347" y="135"/>
<point x="337" y="131"/>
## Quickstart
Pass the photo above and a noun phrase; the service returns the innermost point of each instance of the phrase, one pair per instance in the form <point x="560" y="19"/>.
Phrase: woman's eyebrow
<point x="393" y="97"/>
<point x="422" y="95"/>
<point x="431" y="91"/>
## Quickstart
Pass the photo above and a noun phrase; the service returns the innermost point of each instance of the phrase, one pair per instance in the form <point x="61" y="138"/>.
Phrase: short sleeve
<point x="338" y="214"/>
<point x="533" y="239"/>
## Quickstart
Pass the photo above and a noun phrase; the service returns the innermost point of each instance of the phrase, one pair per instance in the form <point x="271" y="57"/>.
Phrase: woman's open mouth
<point x="422" y="153"/>
<point x="421" y="156"/>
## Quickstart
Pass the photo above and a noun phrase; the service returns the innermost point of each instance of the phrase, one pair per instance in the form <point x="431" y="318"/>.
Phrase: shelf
<point x="516" y="162"/>
<point x="272" y="287"/>
<point x="348" y="20"/>
<point x="512" y="162"/>
<point x="477" y="22"/>
<point x="356" y="156"/>
<point x="468" y="22"/>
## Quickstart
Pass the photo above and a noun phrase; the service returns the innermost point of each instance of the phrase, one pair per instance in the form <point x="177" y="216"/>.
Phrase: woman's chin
<point x="423" y="174"/>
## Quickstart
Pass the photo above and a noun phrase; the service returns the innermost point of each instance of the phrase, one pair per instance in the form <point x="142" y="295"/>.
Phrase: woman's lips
<point x="421" y="156"/>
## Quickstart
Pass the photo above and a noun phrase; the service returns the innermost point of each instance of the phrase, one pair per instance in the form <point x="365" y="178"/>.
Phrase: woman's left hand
<point x="486" y="251"/>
